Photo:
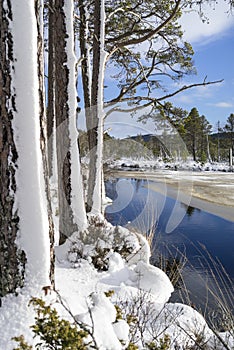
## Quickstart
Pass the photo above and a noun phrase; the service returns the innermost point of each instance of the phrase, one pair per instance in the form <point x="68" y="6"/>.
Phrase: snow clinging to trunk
<point x="31" y="200"/>
<point x="77" y="196"/>
<point x="98" y="190"/>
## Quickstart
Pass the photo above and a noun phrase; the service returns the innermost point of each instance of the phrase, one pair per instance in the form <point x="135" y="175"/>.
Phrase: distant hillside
<point x="221" y="136"/>
<point x="146" y="138"/>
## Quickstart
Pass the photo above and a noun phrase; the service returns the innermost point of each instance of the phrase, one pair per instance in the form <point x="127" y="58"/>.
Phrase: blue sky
<point x="213" y="44"/>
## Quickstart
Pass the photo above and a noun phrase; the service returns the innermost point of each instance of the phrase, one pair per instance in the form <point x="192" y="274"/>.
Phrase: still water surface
<point x="202" y="243"/>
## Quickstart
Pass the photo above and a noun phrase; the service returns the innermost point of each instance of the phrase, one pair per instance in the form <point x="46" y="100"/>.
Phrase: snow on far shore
<point x="142" y="164"/>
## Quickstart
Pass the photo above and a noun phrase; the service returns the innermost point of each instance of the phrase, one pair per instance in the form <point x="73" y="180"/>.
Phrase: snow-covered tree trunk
<point x="42" y="115"/>
<point x="85" y="59"/>
<point x="50" y="122"/>
<point x="86" y="75"/>
<point x="24" y="241"/>
<point x="95" y="191"/>
<point x="12" y="258"/>
<point x="208" y="149"/>
<point x="72" y="215"/>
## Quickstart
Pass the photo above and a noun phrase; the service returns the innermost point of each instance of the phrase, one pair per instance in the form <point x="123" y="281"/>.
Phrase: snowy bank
<point x="142" y="164"/>
<point x="104" y="278"/>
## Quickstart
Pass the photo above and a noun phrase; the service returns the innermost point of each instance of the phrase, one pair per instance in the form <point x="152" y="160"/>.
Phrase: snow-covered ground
<point x="158" y="163"/>
<point x="139" y="290"/>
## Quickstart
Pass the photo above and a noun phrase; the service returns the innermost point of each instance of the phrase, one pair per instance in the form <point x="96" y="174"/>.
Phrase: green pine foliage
<point x="22" y="344"/>
<point x="54" y="332"/>
<point x="132" y="346"/>
<point x="164" y="344"/>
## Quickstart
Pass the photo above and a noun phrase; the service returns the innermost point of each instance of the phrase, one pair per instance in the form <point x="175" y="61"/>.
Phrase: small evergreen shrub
<point x="164" y="344"/>
<point x="101" y="240"/>
<point x="22" y="344"/>
<point x="54" y="332"/>
<point x="132" y="346"/>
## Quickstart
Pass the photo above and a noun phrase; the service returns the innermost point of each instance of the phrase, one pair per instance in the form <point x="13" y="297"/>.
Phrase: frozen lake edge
<point x="209" y="191"/>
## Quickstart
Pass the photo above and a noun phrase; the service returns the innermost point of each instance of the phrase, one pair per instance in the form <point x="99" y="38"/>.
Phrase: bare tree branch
<point x="158" y="99"/>
<point x="127" y="110"/>
<point x="186" y="87"/>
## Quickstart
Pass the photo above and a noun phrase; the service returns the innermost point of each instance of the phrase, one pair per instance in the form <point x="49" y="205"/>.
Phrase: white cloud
<point x="219" y="22"/>
<point x="198" y="94"/>
<point x="223" y="104"/>
<point x="185" y="99"/>
<point x="123" y="124"/>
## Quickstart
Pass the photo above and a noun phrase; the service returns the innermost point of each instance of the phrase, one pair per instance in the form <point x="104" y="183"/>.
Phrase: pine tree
<point x="139" y="72"/>
<point x="24" y="216"/>
<point x="229" y="128"/>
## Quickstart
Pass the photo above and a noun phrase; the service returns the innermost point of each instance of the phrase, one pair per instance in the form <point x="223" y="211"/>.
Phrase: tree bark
<point x="85" y="61"/>
<point x="66" y="225"/>
<point x="95" y="132"/>
<point x="12" y="259"/>
<point x="72" y="215"/>
<point x="91" y="122"/>
<point x="43" y="138"/>
<point x="51" y="88"/>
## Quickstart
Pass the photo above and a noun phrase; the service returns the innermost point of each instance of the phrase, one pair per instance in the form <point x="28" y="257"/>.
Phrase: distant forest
<point x="178" y="134"/>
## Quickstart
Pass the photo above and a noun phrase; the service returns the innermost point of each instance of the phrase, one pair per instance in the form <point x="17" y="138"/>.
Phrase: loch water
<point x="201" y="244"/>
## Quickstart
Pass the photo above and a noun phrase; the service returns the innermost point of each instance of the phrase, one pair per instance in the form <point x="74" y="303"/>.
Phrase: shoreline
<point x="207" y="191"/>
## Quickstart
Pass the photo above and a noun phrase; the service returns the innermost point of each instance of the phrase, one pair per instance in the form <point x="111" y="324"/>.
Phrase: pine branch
<point x="127" y="110"/>
<point x="149" y="35"/>
<point x="186" y="87"/>
<point x="158" y="99"/>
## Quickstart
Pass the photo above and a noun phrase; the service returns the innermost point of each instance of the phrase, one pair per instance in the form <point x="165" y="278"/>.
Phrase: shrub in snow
<point x="52" y="331"/>
<point x="97" y="244"/>
<point x="164" y="344"/>
<point x="142" y="315"/>
<point x="22" y="344"/>
<point x="172" y="266"/>
<point x="109" y="333"/>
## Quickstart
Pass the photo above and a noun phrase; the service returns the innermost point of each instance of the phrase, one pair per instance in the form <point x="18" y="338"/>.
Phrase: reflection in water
<point x="189" y="210"/>
<point x="202" y="244"/>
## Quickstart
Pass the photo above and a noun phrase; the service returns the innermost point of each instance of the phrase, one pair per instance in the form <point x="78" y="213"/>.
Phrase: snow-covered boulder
<point x="153" y="280"/>
<point x="121" y="329"/>
<point x="100" y="319"/>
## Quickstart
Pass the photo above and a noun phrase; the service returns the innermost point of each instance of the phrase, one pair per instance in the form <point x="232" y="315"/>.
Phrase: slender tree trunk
<point x="95" y="190"/>
<point x="42" y="116"/>
<point x="232" y="141"/>
<point x="72" y="214"/>
<point x="85" y="60"/>
<point x="218" y="125"/>
<point x="218" y="149"/>
<point x="66" y="224"/>
<point x="93" y="100"/>
<point x="51" y="88"/>
<point x="231" y="159"/>
<point x="194" y="149"/>
<point x="86" y="75"/>
<point x="208" y="148"/>
<point x="91" y="122"/>
<point x="12" y="259"/>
